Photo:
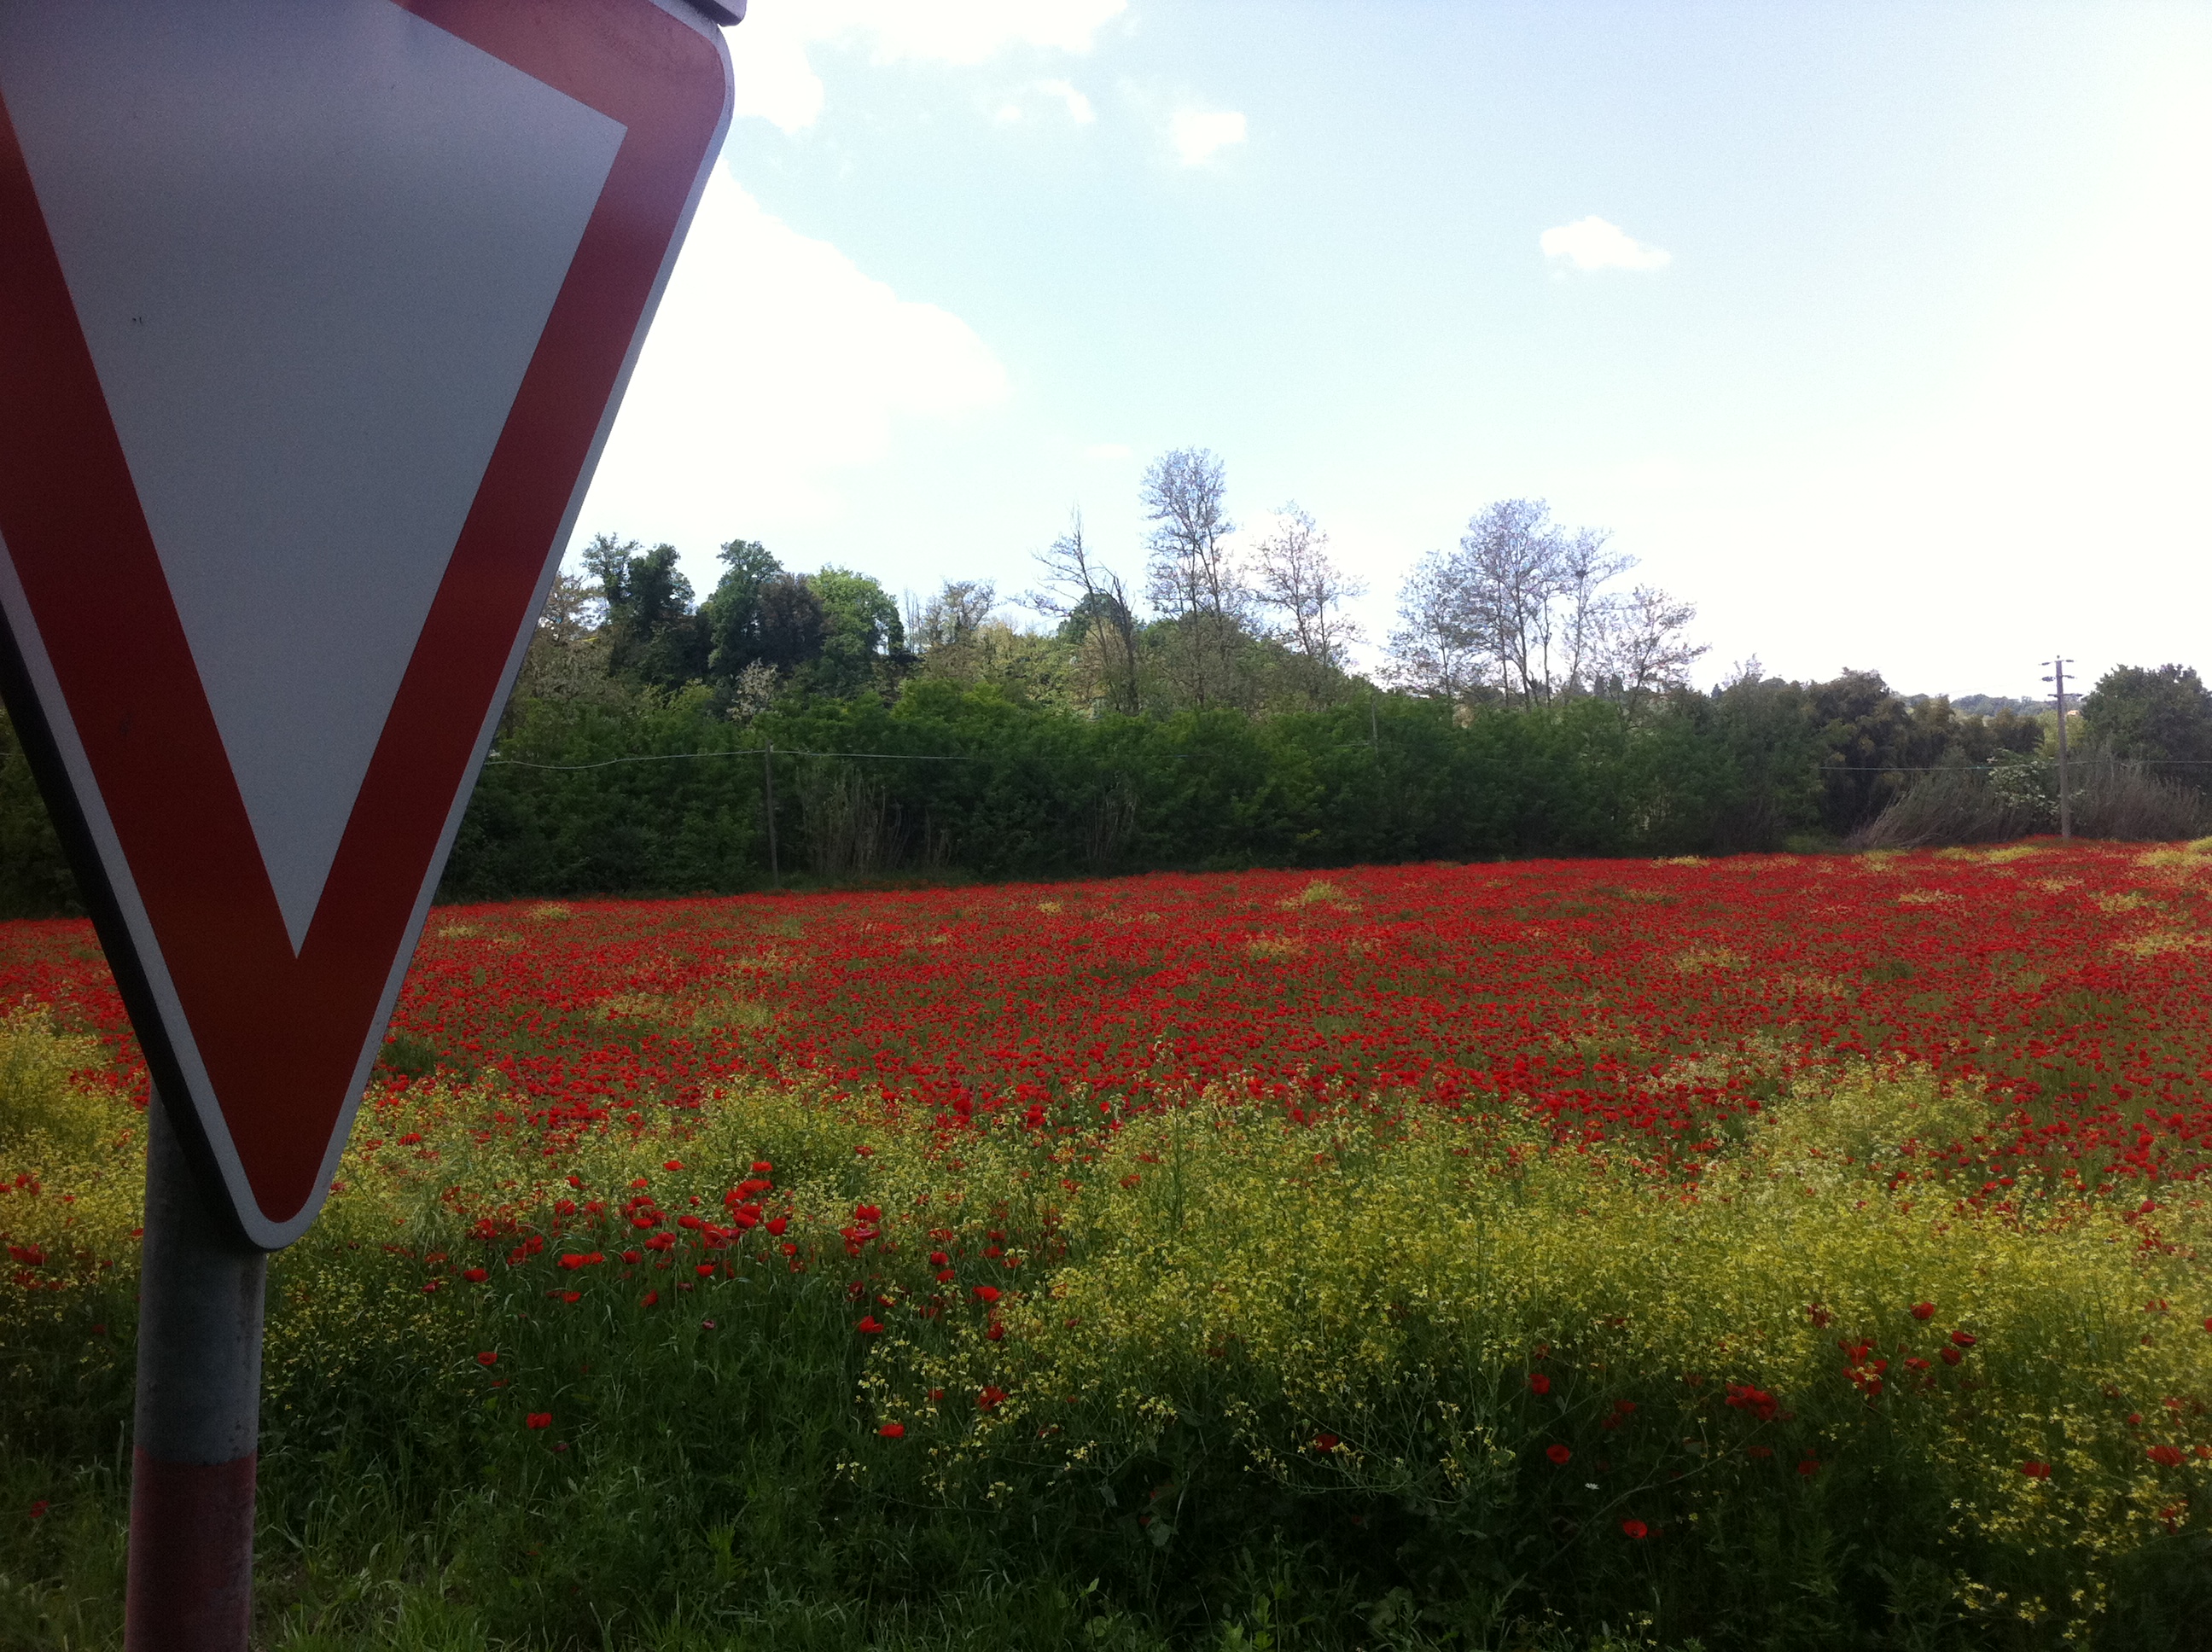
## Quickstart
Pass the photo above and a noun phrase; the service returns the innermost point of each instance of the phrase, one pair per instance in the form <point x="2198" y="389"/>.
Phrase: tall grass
<point x="2110" y="798"/>
<point x="1380" y="1378"/>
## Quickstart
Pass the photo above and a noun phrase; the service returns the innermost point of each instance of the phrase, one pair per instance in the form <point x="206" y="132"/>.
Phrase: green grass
<point x="1196" y="1297"/>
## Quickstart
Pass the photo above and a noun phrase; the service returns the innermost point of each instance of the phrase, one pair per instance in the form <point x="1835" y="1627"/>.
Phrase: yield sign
<point x="313" y="317"/>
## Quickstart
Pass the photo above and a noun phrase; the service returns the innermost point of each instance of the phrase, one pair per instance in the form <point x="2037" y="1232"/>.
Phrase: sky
<point x="1878" y="332"/>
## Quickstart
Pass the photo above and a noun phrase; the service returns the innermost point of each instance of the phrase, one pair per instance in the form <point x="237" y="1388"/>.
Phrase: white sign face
<point x="273" y="332"/>
<point x="331" y="304"/>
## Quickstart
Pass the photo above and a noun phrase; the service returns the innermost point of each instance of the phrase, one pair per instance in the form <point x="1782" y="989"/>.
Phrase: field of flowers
<point x="1777" y="1251"/>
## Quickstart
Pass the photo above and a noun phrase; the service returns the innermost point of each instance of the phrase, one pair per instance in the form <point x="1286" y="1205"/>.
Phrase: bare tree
<point x="1435" y="647"/>
<point x="1193" y="569"/>
<point x="955" y="614"/>
<point x="1091" y="598"/>
<point x="1193" y="578"/>
<point x="1647" y="649"/>
<point x="1589" y="614"/>
<point x="1522" y="607"/>
<point x="1511" y="574"/>
<point x="1294" y="576"/>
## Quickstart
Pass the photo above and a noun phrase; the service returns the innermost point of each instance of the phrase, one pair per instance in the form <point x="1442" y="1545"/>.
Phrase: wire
<point x="971" y="757"/>
<point x="733" y="751"/>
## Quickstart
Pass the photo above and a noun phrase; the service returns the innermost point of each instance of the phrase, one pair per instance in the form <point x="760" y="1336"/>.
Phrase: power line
<point x="983" y="757"/>
<point x="734" y="751"/>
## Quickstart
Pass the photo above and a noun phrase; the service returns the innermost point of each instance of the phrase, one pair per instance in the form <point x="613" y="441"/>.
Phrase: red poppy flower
<point x="2164" y="1456"/>
<point x="539" y="1419"/>
<point x="488" y="1357"/>
<point x="987" y="1294"/>
<point x="1636" y="1528"/>
<point x="1539" y="1383"/>
<point x="893" y="1430"/>
<point x="39" y="1510"/>
<point x="1963" y="1339"/>
<point x="870" y="1326"/>
<point x="989" y="1398"/>
<point x="475" y="1275"/>
<point x="650" y="1297"/>
<point x="1808" y="1468"/>
<point x="761" y="1167"/>
<point x="1559" y="1455"/>
<point x="1325" y="1442"/>
<point x="1923" y="1311"/>
<point x="2036" y="1470"/>
<point x="673" y="1165"/>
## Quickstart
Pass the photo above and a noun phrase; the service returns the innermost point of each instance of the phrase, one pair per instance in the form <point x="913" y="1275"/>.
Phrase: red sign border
<point x="272" y="1051"/>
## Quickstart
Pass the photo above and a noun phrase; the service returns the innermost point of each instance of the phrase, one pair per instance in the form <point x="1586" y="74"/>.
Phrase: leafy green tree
<point x="732" y="613"/>
<point x="792" y="623"/>
<point x="2162" y="717"/>
<point x="656" y="636"/>
<point x="863" y="638"/>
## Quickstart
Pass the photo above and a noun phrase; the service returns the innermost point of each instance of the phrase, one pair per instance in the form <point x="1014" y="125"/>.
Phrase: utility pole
<point x="767" y="777"/>
<point x="2058" y="680"/>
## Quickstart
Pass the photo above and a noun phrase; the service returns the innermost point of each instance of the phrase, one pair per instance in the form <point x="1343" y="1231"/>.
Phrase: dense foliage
<point x="971" y="778"/>
<point x="1782" y="1252"/>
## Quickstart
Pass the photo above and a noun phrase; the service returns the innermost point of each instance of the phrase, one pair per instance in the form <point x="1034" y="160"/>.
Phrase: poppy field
<point x="1772" y="1251"/>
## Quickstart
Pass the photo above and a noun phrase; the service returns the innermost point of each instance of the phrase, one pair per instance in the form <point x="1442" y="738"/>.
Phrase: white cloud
<point x="1199" y="135"/>
<point x="1591" y="243"/>
<point x="774" y="364"/>
<point x="1078" y="106"/>
<point x="776" y="80"/>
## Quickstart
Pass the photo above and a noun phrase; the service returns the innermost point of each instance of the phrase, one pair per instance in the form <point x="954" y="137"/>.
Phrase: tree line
<point x="1529" y="700"/>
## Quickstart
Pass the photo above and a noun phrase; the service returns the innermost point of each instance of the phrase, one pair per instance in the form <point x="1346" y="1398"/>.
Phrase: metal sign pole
<point x="274" y="185"/>
<point x="191" y="1585"/>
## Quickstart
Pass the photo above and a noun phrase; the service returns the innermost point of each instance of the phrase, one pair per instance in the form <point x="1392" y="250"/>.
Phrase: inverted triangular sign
<point x="313" y="317"/>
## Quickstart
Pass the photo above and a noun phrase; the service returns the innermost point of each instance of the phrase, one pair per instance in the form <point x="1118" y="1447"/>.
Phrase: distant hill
<point x="1988" y="705"/>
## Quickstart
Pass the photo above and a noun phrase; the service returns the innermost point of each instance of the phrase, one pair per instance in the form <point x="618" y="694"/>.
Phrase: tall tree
<point x="655" y="635"/>
<point x="1522" y="608"/>
<point x="2161" y="716"/>
<point x="862" y="632"/>
<point x="1092" y="605"/>
<point x="950" y="619"/>
<point x="1644" y="646"/>
<point x="733" y="611"/>
<point x="792" y="626"/>
<point x="569" y="650"/>
<point x="1194" y="581"/>
<point x="1294" y="577"/>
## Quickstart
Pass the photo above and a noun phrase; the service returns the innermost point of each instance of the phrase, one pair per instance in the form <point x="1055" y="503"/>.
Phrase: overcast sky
<point x="1879" y="332"/>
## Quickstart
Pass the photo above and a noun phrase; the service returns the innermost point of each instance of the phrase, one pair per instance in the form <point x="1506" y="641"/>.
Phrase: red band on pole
<point x="191" y="1585"/>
